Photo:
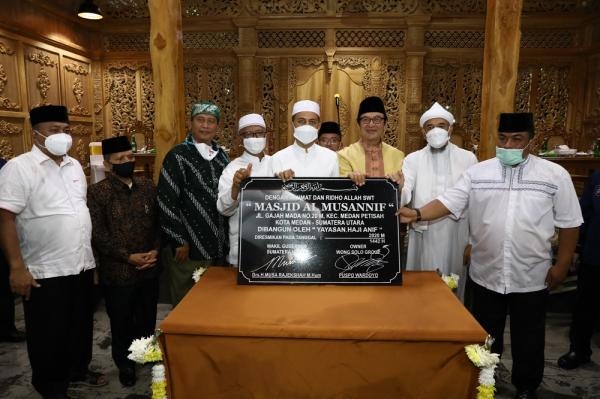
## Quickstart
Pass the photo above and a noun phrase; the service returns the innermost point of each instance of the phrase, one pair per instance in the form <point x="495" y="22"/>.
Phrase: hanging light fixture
<point x="89" y="10"/>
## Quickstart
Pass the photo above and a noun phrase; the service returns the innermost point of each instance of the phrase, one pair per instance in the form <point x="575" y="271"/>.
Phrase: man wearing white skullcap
<point x="440" y="244"/>
<point x="305" y="158"/>
<point x="253" y="162"/>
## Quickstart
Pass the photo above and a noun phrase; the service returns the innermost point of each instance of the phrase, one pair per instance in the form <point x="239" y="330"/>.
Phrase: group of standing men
<point x="500" y="213"/>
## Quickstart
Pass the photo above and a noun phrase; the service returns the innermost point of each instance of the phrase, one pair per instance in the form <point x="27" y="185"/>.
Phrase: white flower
<point x="486" y="376"/>
<point x="198" y="273"/>
<point x="138" y="348"/>
<point x="158" y="372"/>
<point x="451" y="280"/>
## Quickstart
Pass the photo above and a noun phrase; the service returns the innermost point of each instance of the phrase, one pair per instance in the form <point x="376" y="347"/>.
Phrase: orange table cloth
<point x="225" y="340"/>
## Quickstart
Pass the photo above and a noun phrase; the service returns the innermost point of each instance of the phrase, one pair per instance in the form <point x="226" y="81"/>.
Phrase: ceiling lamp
<point x="89" y="10"/>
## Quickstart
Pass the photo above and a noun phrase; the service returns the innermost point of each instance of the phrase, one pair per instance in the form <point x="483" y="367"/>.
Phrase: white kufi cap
<point x="251" y="120"/>
<point x="306" y="106"/>
<point x="436" y="111"/>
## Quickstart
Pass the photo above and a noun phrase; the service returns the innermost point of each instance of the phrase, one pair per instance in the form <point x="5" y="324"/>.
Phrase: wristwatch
<point x="418" y="214"/>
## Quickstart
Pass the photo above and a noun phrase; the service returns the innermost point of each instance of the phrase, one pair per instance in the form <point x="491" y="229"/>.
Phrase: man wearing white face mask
<point x="305" y="158"/>
<point x="439" y="244"/>
<point x="45" y="233"/>
<point x="253" y="162"/>
<point x="515" y="201"/>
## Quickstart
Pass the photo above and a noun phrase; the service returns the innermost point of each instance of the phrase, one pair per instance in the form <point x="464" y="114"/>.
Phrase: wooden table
<point x="301" y="341"/>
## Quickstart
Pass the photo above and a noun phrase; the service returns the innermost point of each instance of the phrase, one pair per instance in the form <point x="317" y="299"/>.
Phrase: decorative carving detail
<point x="41" y="59"/>
<point x="197" y="40"/>
<point x="82" y="151"/>
<point x="523" y="89"/>
<point x="43" y="84"/>
<point x="5" y="102"/>
<point x="77" y="69"/>
<point x="4" y="49"/>
<point x="80" y="130"/>
<point x="147" y="98"/>
<point x="207" y="8"/>
<point x="78" y="92"/>
<point x="7" y="151"/>
<point x="453" y="6"/>
<point x="125" y="9"/>
<point x="454" y="39"/>
<point x="439" y="82"/>
<point x="394" y="95"/>
<point x="383" y="6"/>
<point x="120" y="84"/>
<point x="547" y="39"/>
<point x="305" y="62"/>
<point x="552" y="98"/>
<point x="7" y="128"/>
<point x="289" y="7"/>
<point x="127" y="42"/>
<point x="369" y="38"/>
<point x="292" y="39"/>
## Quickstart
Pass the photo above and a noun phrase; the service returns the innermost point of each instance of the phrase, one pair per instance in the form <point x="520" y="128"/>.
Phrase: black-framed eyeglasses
<point x="253" y="134"/>
<point x="366" y="121"/>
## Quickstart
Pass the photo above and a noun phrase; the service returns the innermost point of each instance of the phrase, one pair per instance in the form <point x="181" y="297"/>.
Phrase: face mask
<point x="255" y="145"/>
<point x="206" y="151"/>
<point x="437" y="137"/>
<point x="509" y="156"/>
<point x="306" y="134"/>
<point x="57" y="144"/>
<point x="123" y="169"/>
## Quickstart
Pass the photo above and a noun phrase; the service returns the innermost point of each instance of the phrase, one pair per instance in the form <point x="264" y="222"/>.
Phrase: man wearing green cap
<point x="194" y="232"/>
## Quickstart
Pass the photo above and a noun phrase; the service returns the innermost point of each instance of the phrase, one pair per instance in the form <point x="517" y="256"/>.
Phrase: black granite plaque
<point x="319" y="231"/>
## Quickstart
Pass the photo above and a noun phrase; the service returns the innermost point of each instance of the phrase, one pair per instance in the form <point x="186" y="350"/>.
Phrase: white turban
<point x="436" y="111"/>
<point x="306" y="106"/>
<point x="251" y="120"/>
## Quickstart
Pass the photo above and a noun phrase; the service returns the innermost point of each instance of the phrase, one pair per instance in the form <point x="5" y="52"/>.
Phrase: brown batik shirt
<point x="124" y="222"/>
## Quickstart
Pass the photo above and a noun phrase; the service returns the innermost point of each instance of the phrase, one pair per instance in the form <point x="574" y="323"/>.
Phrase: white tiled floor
<point x="583" y="383"/>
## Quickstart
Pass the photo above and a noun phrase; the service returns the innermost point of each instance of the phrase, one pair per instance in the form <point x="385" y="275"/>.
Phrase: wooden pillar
<point x="415" y="54"/>
<point x="500" y="68"/>
<point x="247" y="66"/>
<point x="166" y="52"/>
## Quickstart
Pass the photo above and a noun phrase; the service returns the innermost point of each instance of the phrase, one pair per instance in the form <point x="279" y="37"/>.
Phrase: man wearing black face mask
<point x="125" y="237"/>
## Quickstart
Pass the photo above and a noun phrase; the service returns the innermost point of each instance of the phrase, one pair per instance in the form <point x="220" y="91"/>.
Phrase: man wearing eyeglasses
<point x="330" y="136"/>
<point x="304" y="158"/>
<point x="253" y="162"/>
<point x="193" y="230"/>
<point x="370" y="156"/>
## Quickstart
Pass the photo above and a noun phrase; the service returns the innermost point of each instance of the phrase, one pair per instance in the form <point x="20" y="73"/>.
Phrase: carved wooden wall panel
<point x="42" y="76"/>
<point x="77" y="84"/>
<point x="9" y="76"/>
<point x="11" y="137"/>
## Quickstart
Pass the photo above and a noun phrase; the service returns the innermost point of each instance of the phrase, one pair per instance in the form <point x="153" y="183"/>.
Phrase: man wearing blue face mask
<point x="125" y="236"/>
<point x="515" y="202"/>
<point x="305" y="158"/>
<point x="439" y="244"/>
<point x="45" y="234"/>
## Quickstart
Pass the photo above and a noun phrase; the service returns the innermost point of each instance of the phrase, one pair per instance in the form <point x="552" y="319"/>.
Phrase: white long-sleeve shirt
<point x="513" y="212"/>
<point x="316" y="161"/>
<point x="228" y="206"/>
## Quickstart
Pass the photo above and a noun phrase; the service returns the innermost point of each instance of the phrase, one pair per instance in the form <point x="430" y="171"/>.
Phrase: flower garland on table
<point x="482" y="357"/>
<point x="198" y="273"/>
<point x="146" y="350"/>
<point x="451" y="280"/>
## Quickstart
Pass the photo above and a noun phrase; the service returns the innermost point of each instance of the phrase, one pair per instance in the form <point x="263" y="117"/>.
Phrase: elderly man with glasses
<point x="304" y="158"/>
<point x="370" y="156"/>
<point x="253" y="162"/>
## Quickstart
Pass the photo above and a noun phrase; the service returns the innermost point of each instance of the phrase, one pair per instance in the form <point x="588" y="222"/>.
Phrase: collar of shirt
<point x="120" y="184"/>
<point x="246" y="156"/>
<point x="41" y="157"/>
<point x="303" y="150"/>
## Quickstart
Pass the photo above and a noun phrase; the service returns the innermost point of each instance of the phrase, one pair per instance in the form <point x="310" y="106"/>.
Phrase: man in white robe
<point x="438" y="244"/>
<point x="305" y="158"/>
<point x="253" y="162"/>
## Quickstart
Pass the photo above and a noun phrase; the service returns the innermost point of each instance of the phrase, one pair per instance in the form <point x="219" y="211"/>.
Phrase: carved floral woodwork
<point x="7" y="151"/>
<point x="5" y="102"/>
<point x="4" y="49"/>
<point x="7" y="132"/>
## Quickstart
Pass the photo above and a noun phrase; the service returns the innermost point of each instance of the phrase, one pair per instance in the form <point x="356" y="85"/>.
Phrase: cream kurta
<point x="438" y="244"/>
